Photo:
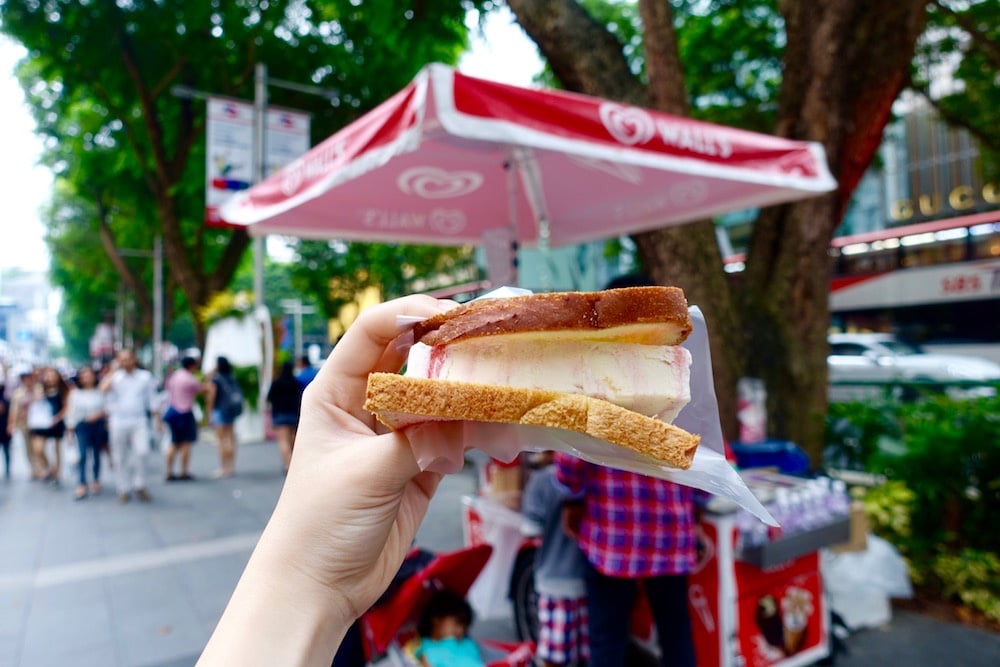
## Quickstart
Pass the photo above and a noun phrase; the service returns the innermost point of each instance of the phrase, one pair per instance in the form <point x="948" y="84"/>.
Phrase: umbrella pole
<point x="512" y="221"/>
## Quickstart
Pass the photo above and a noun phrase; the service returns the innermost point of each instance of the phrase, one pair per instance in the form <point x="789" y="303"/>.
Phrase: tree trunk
<point x="845" y="63"/>
<point x="677" y="256"/>
<point x="197" y="281"/>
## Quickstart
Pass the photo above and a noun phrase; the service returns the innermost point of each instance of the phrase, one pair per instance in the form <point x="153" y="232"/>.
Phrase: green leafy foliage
<point x="855" y="432"/>
<point x="939" y="507"/>
<point x="333" y="273"/>
<point x="889" y="508"/>
<point x="731" y="50"/>
<point x="962" y="47"/>
<point x="129" y="154"/>
<point x="248" y="378"/>
<point x="973" y="577"/>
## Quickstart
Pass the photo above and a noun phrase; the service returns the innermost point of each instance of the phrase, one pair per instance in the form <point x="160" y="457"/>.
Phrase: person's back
<point x="305" y="372"/>
<point x="182" y="387"/>
<point x="5" y="434"/>
<point x="632" y="527"/>
<point x="285" y="395"/>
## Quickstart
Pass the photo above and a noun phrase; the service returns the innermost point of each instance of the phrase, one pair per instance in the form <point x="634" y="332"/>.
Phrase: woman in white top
<point x="86" y="416"/>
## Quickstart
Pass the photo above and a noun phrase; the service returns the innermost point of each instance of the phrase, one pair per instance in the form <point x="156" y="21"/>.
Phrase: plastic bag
<point x="433" y="442"/>
<point x="501" y="529"/>
<point x="860" y="583"/>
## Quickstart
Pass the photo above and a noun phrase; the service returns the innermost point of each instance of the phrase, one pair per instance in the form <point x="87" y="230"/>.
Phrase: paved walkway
<point x="96" y="583"/>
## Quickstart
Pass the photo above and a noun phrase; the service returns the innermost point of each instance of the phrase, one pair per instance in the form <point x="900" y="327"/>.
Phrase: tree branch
<point x="989" y="46"/>
<point x="987" y="137"/>
<point x="126" y="273"/>
<point x="219" y="278"/>
<point x="584" y="56"/>
<point x="663" y="60"/>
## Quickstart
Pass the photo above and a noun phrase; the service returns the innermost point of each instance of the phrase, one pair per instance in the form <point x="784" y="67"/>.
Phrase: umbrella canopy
<point x="451" y="159"/>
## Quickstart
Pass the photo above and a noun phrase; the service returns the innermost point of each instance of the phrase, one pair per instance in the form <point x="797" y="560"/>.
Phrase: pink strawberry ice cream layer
<point x="653" y="380"/>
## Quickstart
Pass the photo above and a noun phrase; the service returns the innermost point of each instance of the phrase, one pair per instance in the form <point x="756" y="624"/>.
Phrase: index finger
<point x="368" y="346"/>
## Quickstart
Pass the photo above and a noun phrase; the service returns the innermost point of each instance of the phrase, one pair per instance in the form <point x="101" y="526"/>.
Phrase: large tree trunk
<point x="845" y="63"/>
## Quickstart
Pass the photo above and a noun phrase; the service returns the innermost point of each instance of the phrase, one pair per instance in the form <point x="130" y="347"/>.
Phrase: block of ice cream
<point x="653" y="380"/>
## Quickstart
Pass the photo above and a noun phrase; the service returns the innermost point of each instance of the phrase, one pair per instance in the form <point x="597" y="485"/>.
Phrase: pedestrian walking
<point x="130" y="394"/>
<point x="17" y="424"/>
<point x="46" y="422"/>
<point x="285" y="397"/>
<point x="87" y="417"/>
<point x="5" y="431"/>
<point x="182" y="387"/>
<point x="305" y="372"/>
<point x="225" y="404"/>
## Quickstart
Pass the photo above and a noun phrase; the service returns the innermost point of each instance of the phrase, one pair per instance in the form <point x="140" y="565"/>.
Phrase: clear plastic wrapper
<point x="440" y="446"/>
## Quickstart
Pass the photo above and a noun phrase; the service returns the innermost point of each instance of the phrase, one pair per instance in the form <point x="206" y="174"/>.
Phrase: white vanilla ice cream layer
<point x="653" y="380"/>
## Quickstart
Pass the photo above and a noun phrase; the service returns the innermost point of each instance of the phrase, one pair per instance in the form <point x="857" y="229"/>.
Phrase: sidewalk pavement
<point x="97" y="583"/>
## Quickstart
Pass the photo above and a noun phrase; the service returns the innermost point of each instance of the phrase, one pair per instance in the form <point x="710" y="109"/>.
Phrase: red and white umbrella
<point x="451" y="159"/>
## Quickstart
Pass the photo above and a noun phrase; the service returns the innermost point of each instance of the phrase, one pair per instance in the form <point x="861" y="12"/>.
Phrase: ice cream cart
<point x="756" y="594"/>
<point x="756" y="598"/>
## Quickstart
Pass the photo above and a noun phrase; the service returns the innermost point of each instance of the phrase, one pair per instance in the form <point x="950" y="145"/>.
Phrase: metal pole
<point x="259" y="245"/>
<point x="296" y="309"/>
<point x="298" y="331"/>
<point x="259" y="171"/>
<point x="158" y="307"/>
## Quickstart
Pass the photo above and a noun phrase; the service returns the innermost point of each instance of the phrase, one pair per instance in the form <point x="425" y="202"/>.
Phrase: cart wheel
<point x="524" y="597"/>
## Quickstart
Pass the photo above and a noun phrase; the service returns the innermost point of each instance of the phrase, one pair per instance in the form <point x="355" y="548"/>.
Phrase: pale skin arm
<point x="350" y="508"/>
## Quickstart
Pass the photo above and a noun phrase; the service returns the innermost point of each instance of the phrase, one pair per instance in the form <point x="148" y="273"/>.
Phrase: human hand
<point x="350" y="508"/>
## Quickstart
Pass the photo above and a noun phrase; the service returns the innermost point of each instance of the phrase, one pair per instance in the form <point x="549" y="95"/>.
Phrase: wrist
<point x="279" y="615"/>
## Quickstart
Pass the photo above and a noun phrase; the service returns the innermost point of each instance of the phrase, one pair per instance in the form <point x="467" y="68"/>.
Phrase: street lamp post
<point x="260" y="102"/>
<point x="296" y="309"/>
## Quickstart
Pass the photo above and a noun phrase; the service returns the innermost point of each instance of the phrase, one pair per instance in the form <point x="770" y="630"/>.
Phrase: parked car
<point x="882" y="358"/>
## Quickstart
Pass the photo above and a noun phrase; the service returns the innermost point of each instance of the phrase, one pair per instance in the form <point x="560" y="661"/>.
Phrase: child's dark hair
<point x="442" y="604"/>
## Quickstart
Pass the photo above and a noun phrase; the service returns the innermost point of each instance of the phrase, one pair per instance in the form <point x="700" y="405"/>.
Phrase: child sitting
<point x="443" y="629"/>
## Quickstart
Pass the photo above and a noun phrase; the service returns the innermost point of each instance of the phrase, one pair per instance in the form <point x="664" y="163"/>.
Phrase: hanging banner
<point x="229" y="151"/>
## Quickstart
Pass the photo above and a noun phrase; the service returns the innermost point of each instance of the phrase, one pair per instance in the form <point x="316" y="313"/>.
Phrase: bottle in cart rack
<point x="840" y="499"/>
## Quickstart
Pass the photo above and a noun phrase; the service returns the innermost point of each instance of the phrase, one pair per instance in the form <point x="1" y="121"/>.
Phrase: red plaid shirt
<point x="633" y="526"/>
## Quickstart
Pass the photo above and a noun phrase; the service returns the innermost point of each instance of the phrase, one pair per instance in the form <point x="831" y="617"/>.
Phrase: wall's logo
<point x="449" y="221"/>
<point x="445" y="221"/>
<point x="628" y="125"/>
<point x="434" y="183"/>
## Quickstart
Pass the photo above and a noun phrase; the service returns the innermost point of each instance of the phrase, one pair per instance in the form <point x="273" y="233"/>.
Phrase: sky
<point x="24" y="186"/>
<point x="501" y="51"/>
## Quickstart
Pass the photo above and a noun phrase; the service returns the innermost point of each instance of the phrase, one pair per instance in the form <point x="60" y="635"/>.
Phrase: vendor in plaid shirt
<point x="631" y="528"/>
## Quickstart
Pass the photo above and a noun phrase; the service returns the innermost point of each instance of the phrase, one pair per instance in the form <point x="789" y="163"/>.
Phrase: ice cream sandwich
<point x="608" y="364"/>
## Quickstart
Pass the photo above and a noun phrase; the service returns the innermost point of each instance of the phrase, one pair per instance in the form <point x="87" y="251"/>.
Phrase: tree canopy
<point x="129" y="155"/>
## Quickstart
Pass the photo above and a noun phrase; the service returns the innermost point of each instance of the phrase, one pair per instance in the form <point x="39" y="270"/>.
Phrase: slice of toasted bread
<point x="399" y="401"/>
<point x="646" y="315"/>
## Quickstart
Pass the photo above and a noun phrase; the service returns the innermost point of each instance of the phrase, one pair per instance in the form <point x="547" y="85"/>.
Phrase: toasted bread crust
<point x="399" y="401"/>
<point x="564" y="311"/>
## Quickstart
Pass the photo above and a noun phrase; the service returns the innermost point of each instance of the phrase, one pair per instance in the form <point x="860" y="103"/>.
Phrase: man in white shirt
<point x="131" y="393"/>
